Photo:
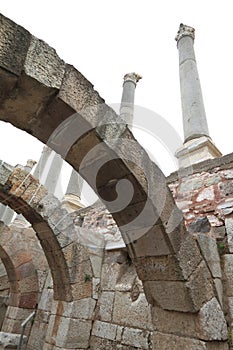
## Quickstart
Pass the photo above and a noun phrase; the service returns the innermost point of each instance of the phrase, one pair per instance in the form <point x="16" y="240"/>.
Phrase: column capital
<point x="185" y="30"/>
<point x="134" y="77"/>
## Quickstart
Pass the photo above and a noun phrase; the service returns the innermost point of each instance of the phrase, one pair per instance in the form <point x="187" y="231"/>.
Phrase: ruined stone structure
<point x="148" y="267"/>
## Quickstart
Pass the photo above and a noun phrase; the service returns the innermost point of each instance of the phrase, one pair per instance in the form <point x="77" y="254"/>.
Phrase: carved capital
<point x="30" y="163"/>
<point x="185" y="31"/>
<point x="134" y="77"/>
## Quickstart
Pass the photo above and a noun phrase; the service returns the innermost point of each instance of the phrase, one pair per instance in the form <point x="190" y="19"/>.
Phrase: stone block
<point x="174" y="322"/>
<point x="81" y="290"/>
<point x="105" y="306"/>
<point x="82" y="272"/>
<point x="149" y="241"/>
<point x="81" y="309"/>
<point x="37" y="336"/>
<point x="68" y="332"/>
<point x="104" y="330"/>
<point x="206" y="194"/>
<point x="96" y="263"/>
<point x="163" y="341"/>
<point x="217" y="345"/>
<point x="136" y="337"/>
<point x="226" y="188"/>
<point x="200" y="225"/>
<point x="127" y="280"/>
<point x="164" y="268"/>
<point x="136" y="313"/>
<point x="43" y="64"/>
<point x="188" y="256"/>
<point x="14" y="45"/>
<point x="227" y="260"/>
<point x="211" y="322"/>
<point x="110" y="275"/>
<point x="210" y="253"/>
<point x="103" y="344"/>
<point x="200" y="286"/>
<point x="169" y="295"/>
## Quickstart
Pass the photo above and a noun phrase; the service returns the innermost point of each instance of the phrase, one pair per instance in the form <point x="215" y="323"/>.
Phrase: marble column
<point x="198" y="145"/>
<point x="127" y="100"/>
<point x="48" y="169"/>
<point x="72" y="198"/>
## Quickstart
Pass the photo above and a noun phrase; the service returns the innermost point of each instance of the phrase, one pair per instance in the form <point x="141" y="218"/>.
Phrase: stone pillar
<point x="47" y="171"/>
<point x="72" y="199"/>
<point x="53" y="173"/>
<point x="198" y="145"/>
<point x="127" y="100"/>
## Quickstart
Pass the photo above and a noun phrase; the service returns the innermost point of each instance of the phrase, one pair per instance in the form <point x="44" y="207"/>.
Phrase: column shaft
<point x="194" y="116"/>
<point x="127" y="100"/>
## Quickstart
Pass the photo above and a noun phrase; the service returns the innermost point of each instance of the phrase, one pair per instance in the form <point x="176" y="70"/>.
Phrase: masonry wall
<point x="110" y="310"/>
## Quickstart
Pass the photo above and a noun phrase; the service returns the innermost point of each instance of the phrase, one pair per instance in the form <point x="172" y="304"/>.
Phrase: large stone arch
<point x="52" y="101"/>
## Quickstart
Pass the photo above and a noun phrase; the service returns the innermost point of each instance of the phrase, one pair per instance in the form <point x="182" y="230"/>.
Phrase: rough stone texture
<point x="210" y="253"/>
<point x="212" y="322"/>
<point x="161" y="341"/>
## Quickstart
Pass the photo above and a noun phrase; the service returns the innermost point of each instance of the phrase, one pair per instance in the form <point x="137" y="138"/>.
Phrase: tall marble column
<point x="48" y="170"/>
<point x="198" y="145"/>
<point x="127" y="100"/>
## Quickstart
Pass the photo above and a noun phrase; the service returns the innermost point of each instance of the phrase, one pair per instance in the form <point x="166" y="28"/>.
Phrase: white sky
<point x="105" y="39"/>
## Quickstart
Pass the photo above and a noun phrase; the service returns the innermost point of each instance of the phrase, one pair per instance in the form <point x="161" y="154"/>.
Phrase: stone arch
<point x="22" y="276"/>
<point x="20" y="269"/>
<point x="55" y="103"/>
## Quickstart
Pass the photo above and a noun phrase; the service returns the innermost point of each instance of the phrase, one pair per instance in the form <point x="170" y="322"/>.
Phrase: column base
<point x="72" y="202"/>
<point x="197" y="150"/>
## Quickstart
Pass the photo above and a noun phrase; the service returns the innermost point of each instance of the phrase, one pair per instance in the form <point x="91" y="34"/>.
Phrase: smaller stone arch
<point x="22" y="276"/>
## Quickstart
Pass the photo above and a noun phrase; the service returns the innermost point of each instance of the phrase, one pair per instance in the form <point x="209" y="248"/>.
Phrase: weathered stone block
<point x="227" y="260"/>
<point x="161" y="342"/>
<point x="212" y="323"/>
<point x="50" y="69"/>
<point x="158" y="268"/>
<point x="105" y="306"/>
<point x="149" y="241"/>
<point x="200" y="286"/>
<point x="13" y="45"/>
<point x="81" y="309"/>
<point x="68" y="333"/>
<point x="104" y="330"/>
<point x="169" y="295"/>
<point x="81" y="290"/>
<point x="189" y="256"/>
<point x="136" y="337"/>
<point x="136" y="313"/>
<point x="174" y="322"/>
<point x="210" y="253"/>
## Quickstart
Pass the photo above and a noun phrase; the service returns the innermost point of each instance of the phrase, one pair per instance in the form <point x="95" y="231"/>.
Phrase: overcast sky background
<point x="105" y="39"/>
